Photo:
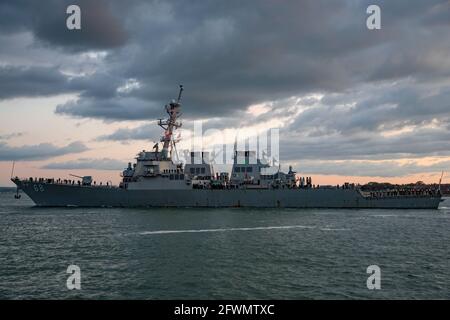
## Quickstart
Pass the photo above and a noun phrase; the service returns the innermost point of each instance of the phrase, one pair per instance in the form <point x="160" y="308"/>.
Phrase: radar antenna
<point x="179" y="94"/>
<point x="170" y="124"/>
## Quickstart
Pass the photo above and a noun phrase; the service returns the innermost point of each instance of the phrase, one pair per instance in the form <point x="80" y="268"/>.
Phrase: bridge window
<point x="192" y="170"/>
<point x="203" y="170"/>
<point x="249" y="169"/>
<point x="237" y="169"/>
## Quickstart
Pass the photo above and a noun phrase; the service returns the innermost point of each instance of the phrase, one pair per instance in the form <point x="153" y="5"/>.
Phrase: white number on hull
<point x="39" y="187"/>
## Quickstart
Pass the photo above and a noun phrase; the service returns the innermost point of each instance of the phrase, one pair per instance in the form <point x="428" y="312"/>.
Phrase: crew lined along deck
<point x="400" y="193"/>
<point x="366" y="194"/>
<point x="70" y="182"/>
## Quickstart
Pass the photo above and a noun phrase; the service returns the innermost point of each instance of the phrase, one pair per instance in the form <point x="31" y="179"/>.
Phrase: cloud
<point x="153" y="132"/>
<point x="38" y="152"/>
<point x="144" y="132"/>
<point x="388" y="169"/>
<point x="417" y="143"/>
<point x="11" y="135"/>
<point x="117" y="109"/>
<point x="101" y="26"/>
<point x="87" y="163"/>
<point x="370" y="122"/>
<point x="377" y="107"/>
<point x="340" y="90"/>
<point x="16" y="81"/>
<point x="231" y="55"/>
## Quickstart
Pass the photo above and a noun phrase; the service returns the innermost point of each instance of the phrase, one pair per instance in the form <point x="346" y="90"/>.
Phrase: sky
<point x="351" y="104"/>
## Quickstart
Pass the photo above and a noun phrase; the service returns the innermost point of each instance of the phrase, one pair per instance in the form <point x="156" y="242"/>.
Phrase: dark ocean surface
<point x="222" y="253"/>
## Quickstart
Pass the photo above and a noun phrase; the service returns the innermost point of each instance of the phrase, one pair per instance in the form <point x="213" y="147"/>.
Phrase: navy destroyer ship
<point x="155" y="180"/>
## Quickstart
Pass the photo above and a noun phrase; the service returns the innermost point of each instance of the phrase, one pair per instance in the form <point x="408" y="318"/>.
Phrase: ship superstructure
<point x="156" y="180"/>
<point x="156" y="169"/>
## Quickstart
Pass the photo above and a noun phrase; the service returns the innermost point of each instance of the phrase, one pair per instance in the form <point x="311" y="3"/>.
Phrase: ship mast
<point x="173" y="110"/>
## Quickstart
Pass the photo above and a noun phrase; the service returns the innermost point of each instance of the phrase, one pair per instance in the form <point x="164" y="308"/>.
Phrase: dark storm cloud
<point x="87" y="163"/>
<point x="38" y="152"/>
<point x="101" y="27"/>
<point x="233" y="54"/>
<point x="31" y="81"/>
<point x="28" y="81"/>
<point x="117" y="108"/>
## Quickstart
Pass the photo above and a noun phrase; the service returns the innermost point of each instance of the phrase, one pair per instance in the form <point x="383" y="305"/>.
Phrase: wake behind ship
<point x="155" y="180"/>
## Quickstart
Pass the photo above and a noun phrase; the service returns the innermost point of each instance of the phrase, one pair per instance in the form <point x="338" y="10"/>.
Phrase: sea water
<point x="222" y="253"/>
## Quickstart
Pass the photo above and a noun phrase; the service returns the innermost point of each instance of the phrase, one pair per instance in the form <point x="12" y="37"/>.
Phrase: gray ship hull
<point x="60" y="195"/>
